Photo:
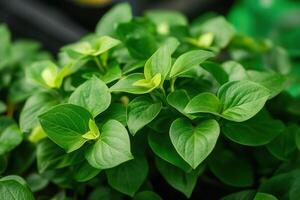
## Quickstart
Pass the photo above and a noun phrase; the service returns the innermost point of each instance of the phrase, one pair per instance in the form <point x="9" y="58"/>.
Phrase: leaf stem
<point x="172" y="84"/>
<point x="96" y="59"/>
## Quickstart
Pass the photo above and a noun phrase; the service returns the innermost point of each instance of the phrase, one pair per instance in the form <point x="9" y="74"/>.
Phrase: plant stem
<point x="172" y="84"/>
<point x="96" y="59"/>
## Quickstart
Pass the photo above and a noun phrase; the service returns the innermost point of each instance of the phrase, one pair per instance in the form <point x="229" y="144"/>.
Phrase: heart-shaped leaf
<point x="194" y="144"/>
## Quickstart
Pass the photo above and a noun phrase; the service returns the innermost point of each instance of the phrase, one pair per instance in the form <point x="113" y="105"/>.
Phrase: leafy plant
<point x="144" y="99"/>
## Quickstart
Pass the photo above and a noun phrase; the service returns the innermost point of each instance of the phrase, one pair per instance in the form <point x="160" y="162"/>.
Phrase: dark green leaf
<point x="65" y="125"/>
<point x="259" y="130"/>
<point x="231" y="169"/>
<point x="178" y="179"/>
<point x="141" y="111"/>
<point x="194" y="144"/>
<point x="129" y="176"/>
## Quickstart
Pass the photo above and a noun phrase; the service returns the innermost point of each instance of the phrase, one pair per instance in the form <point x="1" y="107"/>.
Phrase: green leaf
<point x="13" y="188"/>
<point x="213" y="26"/>
<point x="118" y="14"/>
<point x="243" y="195"/>
<point x="259" y="130"/>
<point x="147" y="195"/>
<point x="93" y="133"/>
<point x="116" y="111"/>
<point x="264" y="196"/>
<point x="102" y="44"/>
<point x="34" y="106"/>
<point x="178" y="179"/>
<point x="276" y="83"/>
<point x="2" y="107"/>
<point x="204" y="103"/>
<point x="94" y="46"/>
<point x="36" y="182"/>
<point x="165" y="19"/>
<point x="284" y="144"/>
<point x="129" y="176"/>
<point x="46" y="74"/>
<point x="188" y="60"/>
<point x="242" y="100"/>
<point x="158" y="63"/>
<point x="113" y="73"/>
<point x="178" y="100"/>
<point x="93" y="95"/>
<point x="50" y="156"/>
<point x="216" y="71"/>
<point x="194" y="144"/>
<point x="235" y="71"/>
<point x="112" y="148"/>
<point x="138" y="37"/>
<point x="231" y="169"/>
<point x="65" y="124"/>
<point x="132" y="84"/>
<point x="5" y="41"/>
<point x="282" y="185"/>
<point x="161" y="145"/>
<point x="140" y="112"/>
<point x="10" y="137"/>
<point x="83" y="172"/>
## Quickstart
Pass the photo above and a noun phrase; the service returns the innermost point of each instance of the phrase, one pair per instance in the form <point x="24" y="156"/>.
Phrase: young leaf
<point x="14" y="187"/>
<point x="158" y="63"/>
<point x="46" y="74"/>
<point x="194" y="144"/>
<point x="34" y="106"/>
<point x="204" y="103"/>
<point x="84" y="172"/>
<point x="65" y="124"/>
<point x="141" y="111"/>
<point x="188" y="60"/>
<point x="129" y="176"/>
<point x="231" y="169"/>
<point x="161" y="145"/>
<point x="10" y="137"/>
<point x="178" y="179"/>
<point x="112" y="148"/>
<point x="164" y="20"/>
<point x="93" y="95"/>
<point x="135" y="84"/>
<point x="242" y="100"/>
<point x="259" y="130"/>
<point x="213" y="26"/>
<point x="118" y="14"/>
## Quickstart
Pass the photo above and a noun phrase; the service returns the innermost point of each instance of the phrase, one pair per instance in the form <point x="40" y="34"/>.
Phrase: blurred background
<point x="57" y="22"/>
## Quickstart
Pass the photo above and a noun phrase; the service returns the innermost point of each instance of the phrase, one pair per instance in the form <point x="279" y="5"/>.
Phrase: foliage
<point x="141" y="97"/>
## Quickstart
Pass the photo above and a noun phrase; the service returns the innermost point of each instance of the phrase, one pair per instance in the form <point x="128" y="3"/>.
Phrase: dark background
<point x="57" y="22"/>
